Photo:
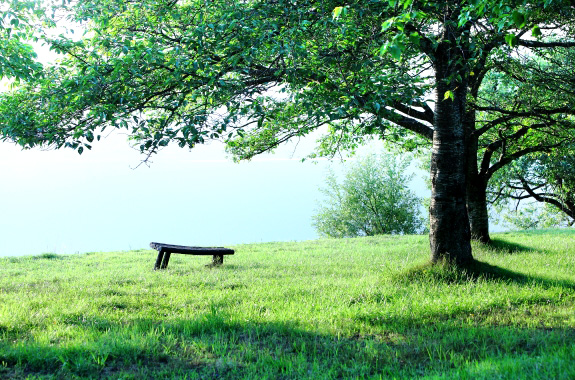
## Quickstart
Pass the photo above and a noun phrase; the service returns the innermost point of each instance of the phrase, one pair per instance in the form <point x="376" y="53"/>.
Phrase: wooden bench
<point x="165" y="250"/>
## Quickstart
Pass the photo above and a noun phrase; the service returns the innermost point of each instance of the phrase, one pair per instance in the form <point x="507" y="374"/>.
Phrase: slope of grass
<point x="352" y="308"/>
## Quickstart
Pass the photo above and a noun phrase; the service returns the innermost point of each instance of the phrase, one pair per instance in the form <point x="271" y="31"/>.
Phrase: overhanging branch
<point x="540" y="44"/>
<point x="407" y="123"/>
<point x="426" y="115"/>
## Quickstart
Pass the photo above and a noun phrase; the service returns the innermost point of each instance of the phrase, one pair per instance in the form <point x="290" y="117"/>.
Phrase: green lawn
<point x="351" y="308"/>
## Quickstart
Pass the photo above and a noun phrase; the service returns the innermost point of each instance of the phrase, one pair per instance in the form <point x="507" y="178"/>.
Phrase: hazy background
<point x="62" y="202"/>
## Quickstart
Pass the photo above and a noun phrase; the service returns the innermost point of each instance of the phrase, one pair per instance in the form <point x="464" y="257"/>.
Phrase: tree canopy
<point x="257" y="73"/>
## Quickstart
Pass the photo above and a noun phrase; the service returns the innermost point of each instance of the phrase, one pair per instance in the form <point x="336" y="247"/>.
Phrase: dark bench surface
<point x="191" y="250"/>
<point x="165" y="250"/>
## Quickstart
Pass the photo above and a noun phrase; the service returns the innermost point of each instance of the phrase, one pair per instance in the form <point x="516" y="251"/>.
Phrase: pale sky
<point x="59" y="201"/>
<point x="62" y="202"/>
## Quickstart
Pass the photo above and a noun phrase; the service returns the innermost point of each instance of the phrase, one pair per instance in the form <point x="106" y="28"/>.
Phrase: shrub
<point x="373" y="199"/>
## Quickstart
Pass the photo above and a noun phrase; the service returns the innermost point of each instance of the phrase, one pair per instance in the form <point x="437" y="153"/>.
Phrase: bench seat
<point x="165" y="250"/>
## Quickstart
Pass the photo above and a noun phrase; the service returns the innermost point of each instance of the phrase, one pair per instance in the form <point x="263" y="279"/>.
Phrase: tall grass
<point x="351" y="308"/>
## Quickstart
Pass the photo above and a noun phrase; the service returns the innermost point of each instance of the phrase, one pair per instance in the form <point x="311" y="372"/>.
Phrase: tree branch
<point x="532" y="113"/>
<point x="426" y="115"/>
<point x="541" y="198"/>
<point x="508" y="159"/>
<point x="540" y="44"/>
<point x="407" y="123"/>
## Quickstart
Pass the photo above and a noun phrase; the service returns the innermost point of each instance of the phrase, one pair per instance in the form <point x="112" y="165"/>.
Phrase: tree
<point x="258" y="73"/>
<point x="372" y="200"/>
<point x="525" y="110"/>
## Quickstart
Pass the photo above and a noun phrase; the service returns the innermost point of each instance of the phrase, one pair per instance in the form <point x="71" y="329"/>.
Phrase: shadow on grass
<point x="476" y="271"/>
<point x="213" y="345"/>
<point x="48" y="256"/>
<point x="503" y="246"/>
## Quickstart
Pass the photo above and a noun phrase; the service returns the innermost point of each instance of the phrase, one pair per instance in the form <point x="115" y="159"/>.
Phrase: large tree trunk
<point x="449" y="223"/>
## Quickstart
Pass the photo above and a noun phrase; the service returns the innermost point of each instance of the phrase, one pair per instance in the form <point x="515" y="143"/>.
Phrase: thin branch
<point x="540" y="44"/>
<point x="532" y="113"/>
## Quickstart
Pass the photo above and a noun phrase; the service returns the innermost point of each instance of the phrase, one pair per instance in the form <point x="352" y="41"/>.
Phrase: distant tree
<point x="373" y="199"/>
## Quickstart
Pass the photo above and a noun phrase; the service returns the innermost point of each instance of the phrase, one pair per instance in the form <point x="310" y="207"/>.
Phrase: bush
<point x="373" y="199"/>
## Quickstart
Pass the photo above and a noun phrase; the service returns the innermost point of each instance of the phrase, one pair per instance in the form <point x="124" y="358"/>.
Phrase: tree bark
<point x="450" y="237"/>
<point x="476" y="187"/>
<point x="477" y="209"/>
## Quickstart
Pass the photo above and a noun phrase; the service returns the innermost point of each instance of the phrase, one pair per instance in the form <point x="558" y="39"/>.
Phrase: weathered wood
<point x="165" y="260"/>
<point x="165" y="250"/>
<point x="217" y="260"/>
<point x="159" y="259"/>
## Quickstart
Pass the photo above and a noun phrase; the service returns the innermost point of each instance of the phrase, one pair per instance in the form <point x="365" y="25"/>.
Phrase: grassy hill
<point x="352" y="308"/>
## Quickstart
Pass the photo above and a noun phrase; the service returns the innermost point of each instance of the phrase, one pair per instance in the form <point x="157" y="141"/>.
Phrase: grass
<point x="352" y="308"/>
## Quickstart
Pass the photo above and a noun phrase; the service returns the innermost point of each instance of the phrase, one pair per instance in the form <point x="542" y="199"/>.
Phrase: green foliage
<point x="187" y="72"/>
<point x="373" y="199"/>
<point x="527" y="105"/>
<point x="352" y="308"/>
<point x="256" y="74"/>
<point x="20" y="22"/>
<point x="525" y="110"/>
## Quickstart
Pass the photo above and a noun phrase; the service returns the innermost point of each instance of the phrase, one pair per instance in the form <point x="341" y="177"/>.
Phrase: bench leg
<point x="166" y="260"/>
<point x="217" y="260"/>
<point x="159" y="260"/>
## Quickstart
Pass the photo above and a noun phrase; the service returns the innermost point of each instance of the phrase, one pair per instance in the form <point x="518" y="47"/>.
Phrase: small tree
<point x="373" y="199"/>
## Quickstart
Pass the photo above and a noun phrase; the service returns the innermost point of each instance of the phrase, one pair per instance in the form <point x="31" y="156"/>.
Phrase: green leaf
<point x="536" y="31"/>
<point x="415" y="38"/>
<point x="337" y="12"/>
<point x="395" y="51"/>
<point x="387" y="24"/>
<point x="518" y="19"/>
<point x="511" y="40"/>
<point x="448" y="95"/>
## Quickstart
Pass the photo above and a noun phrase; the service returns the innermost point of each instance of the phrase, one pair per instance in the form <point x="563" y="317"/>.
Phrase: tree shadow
<point x="474" y="271"/>
<point x="508" y="247"/>
<point x="214" y="345"/>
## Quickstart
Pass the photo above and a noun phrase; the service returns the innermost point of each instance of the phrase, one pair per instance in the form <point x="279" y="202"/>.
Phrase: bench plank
<point x="165" y="250"/>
